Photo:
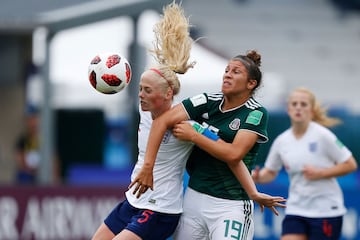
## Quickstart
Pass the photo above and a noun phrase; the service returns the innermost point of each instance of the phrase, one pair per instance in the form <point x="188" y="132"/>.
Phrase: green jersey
<point x="210" y="175"/>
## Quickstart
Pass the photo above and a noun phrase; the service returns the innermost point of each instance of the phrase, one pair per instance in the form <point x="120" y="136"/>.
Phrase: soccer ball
<point x="109" y="73"/>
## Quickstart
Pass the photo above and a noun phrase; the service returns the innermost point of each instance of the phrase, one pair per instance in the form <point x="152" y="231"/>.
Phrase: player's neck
<point x="234" y="101"/>
<point x="299" y="129"/>
<point x="156" y="113"/>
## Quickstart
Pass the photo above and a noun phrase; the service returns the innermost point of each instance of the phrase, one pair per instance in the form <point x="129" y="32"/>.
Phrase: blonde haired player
<point x="155" y="215"/>
<point x="313" y="157"/>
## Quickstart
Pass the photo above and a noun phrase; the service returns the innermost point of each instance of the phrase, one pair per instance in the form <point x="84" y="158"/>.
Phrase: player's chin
<point x="144" y="107"/>
<point x="225" y="89"/>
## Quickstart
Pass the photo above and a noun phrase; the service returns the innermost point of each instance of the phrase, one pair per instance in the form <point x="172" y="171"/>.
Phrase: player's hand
<point x="311" y="173"/>
<point x="184" y="131"/>
<point x="271" y="202"/>
<point x="142" y="182"/>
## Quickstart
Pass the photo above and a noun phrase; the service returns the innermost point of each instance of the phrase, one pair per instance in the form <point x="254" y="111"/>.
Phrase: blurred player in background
<point x="313" y="157"/>
<point x="27" y="151"/>
<point x="216" y="205"/>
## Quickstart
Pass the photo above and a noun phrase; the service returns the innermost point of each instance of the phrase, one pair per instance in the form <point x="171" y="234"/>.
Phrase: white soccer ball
<point x="109" y="73"/>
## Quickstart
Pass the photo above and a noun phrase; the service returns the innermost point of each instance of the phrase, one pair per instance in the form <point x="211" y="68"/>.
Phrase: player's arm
<point x="184" y="131"/>
<point x="231" y="153"/>
<point x="144" y="179"/>
<point x="264" y="200"/>
<point x="263" y="175"/>
<point x="340" y="169"/>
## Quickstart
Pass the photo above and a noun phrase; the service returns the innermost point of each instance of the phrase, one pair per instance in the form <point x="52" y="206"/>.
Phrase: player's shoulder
<point x="320" y="130"/>
<point x="253" y="104"/>
<point x="214" y="96"/>
<point x="253" y="108"/>
<point x="204" y="99"/>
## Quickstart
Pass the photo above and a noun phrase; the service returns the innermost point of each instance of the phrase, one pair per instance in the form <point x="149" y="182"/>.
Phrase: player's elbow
<point x="353" y="166"/>
<point x="233" y="158"/>
<point x="264" y="175"/>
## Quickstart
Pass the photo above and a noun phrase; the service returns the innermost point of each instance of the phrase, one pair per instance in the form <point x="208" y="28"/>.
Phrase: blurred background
<point x="66" y="147"/>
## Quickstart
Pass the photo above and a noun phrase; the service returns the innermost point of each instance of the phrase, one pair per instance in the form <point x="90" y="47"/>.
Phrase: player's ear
<point x="251" y="84"/>
<point x="169" y="93"/>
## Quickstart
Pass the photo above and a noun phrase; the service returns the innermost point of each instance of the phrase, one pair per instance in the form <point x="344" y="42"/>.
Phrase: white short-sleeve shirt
<point x="167" y="196"/>
<point x="318" y="147"/>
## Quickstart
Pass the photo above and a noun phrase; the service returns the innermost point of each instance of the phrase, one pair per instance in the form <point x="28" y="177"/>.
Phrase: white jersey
<point x="318" y="147"/>
<point x="167" y="196"/>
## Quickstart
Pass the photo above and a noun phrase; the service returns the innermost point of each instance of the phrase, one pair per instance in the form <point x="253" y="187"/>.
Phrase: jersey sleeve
<point x="195" y="106"/>
<point x="257" y="121"/>
<point x="273" y="160"/>
<point x="336" y="150"/>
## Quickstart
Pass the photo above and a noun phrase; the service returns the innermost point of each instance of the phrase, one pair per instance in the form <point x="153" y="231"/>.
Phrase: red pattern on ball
<point x="96" y="60"/>
<point x="111" y="79"/>
<point x="112" y="60"/>
<point x="92" y="78"/>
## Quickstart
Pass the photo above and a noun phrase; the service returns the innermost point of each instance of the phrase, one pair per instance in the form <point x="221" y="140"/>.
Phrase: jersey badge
<point x="198" y="100"/>
<point x="312" y="147"/>
<point x="235" y="124"/>
<point x="166" y="137"/>
<point x="254" y="117"/>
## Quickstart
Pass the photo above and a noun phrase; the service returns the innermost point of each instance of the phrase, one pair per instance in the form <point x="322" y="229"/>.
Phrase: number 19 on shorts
<point x="232" y="229"/>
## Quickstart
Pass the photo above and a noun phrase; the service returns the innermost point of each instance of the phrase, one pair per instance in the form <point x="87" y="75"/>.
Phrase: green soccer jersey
<point x="212" y="176"/>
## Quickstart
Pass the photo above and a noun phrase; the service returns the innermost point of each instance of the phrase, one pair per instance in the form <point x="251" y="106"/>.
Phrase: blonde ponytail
<point x="172" y="45"/>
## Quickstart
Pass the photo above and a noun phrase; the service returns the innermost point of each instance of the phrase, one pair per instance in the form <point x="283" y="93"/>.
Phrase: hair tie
<point x="158" y="72"/>
<point x="161" y="75"/>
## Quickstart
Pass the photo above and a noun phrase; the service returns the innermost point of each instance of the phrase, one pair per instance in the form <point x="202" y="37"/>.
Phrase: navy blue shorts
<point x="145" y="223"/>
<point x="314" y="228"/>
